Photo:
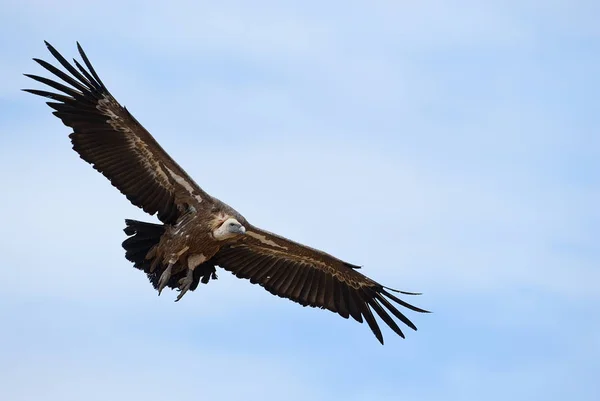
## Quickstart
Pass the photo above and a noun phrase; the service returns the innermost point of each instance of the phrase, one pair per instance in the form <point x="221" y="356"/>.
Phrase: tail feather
<point x="142" y="238"/>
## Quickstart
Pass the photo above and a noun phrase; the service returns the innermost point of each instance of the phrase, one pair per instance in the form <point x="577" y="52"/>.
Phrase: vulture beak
<point x="242" y="230"/>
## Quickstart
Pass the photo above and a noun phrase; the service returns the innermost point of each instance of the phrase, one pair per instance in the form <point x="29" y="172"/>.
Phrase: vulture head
<point x="230" y="228"/>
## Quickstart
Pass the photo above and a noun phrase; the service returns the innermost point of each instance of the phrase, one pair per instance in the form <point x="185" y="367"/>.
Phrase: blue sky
<point x="448" y="147"/>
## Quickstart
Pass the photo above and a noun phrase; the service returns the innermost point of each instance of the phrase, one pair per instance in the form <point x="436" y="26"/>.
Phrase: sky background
<point x="450" y="148"/>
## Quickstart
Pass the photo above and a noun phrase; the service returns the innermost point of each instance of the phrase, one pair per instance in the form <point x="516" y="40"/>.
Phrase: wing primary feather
<point x="60" y="74"/>
<point x="66" y="64"/>
<point x="395" y="311"/>
<point x="385" y="317"/>
<point x="90" y="79"/>
<point x="401" y="302"/>
<point x="89" y="66"/>
<point x="402" y="292"/>
<point x="58" y="86"/>
<point x="49" y="95"/>
<point x="366" y="311"/>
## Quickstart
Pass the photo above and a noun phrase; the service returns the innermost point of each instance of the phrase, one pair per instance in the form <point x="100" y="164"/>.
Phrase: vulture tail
<point x="142" y="239"/>
<point x="139" y="249"/>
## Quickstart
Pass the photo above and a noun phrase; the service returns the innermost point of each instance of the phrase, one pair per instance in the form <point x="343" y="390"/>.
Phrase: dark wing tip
<point x="32" y="91"/>
<point x="50" y="47"/>
<point x="91" y="69"/>
<point x="403" y="303"/>
<point x="402" y="292"/>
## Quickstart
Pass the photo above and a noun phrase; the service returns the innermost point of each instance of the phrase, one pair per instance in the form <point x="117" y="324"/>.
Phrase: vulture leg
<point x="185" y="283"/>
<point x="164" y="277"/>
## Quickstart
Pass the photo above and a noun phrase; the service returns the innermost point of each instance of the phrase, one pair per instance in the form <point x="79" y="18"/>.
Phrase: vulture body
<point x="199" y="232"/>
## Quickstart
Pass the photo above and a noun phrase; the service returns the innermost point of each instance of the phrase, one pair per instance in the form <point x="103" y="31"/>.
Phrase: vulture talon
<point x="164" y="278"/>
<point x="185" y="284"/>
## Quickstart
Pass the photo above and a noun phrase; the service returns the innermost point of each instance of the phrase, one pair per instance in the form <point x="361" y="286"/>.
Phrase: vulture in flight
<point x="199" y="232"/>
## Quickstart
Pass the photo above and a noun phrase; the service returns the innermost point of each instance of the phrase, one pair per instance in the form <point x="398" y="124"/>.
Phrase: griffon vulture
<point x="199" y="232"/>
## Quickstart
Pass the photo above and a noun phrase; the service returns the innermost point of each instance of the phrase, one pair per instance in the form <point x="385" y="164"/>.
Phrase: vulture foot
<point x="185" y="284"/>
<point x="164" y="278"/>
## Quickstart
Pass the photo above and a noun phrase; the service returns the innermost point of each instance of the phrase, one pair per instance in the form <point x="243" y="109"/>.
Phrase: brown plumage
<point x="199" y="232"/>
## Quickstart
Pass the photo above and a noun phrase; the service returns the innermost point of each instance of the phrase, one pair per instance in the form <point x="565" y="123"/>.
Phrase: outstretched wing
<point x="312" y="278"/>
<point x="107" y="136"/>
